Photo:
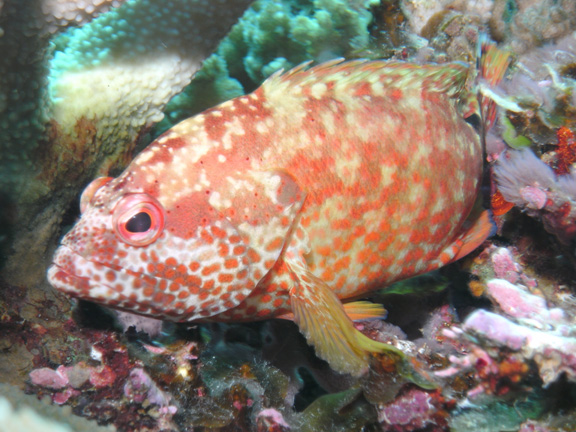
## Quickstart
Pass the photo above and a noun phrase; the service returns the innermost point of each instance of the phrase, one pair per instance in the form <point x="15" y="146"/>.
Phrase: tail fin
<point x="492" y="65"/>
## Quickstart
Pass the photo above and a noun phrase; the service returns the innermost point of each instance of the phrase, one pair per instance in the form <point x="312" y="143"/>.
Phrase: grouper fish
<point x="324" y="184"/>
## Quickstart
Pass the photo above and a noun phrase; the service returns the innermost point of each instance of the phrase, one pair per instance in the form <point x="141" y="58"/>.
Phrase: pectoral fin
<point x="324" y="322"/>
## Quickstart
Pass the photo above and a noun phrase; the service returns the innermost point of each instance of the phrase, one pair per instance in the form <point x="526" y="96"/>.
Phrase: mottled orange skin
<point x="367" y="173"/>
<point x="378" y="208"/>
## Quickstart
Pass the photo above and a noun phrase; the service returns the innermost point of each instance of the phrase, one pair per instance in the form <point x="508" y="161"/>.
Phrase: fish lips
<point x="72" y="274"/>
<point x="110" y="286"/>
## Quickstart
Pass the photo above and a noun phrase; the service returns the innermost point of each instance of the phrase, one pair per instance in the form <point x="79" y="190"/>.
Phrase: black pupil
<point x="140" y="222"/>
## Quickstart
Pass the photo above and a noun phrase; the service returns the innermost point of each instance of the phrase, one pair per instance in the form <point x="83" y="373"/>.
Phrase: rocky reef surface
<point x="492" y="338"/>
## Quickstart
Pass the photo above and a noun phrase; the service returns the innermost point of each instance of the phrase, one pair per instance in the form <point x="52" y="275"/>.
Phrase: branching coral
<point x="316" y="30"/>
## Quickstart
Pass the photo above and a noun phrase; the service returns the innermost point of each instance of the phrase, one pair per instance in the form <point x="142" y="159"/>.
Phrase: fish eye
<point x="138" y="219"/>
<point x="139" y="223"/>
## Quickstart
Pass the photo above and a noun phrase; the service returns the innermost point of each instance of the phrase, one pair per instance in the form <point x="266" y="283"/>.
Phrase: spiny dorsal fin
<point x="447" y="78"/>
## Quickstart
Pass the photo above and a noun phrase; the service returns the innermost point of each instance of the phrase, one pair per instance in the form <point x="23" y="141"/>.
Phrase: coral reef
<point x="315" y="30"/>
<point x="130" y="62"/>
<point x="524" y="180"/>
<point x="491" y="339"/>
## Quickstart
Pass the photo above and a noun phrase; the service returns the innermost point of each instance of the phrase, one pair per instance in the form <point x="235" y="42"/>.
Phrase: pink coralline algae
<point x="271" y="420"/>
<point x="504" y="265"/>
<point x="46" y="377"/>
<point x="102" y="376"/>
<point x="140" y="387"/>
<point x="527" y="327"/>
<point x="412" y="411"/>
<point x="517" y="302"/>
<point x="70" y="378"/>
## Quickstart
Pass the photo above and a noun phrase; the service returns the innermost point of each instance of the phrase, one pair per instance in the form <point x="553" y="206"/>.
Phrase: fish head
<point x="176" y="253"/>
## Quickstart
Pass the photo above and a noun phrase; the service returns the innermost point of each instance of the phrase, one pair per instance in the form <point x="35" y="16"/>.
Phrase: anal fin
<point x="322" y="319"/>
<point x="356" y="311"/>
<point x="473" y="236"/>
<point x="364" y="310"/>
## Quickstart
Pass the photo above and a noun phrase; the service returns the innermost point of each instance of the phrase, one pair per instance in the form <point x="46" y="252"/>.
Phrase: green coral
<point x="23" y="102"/>
<point x="498" y="416"/>
<point x="271" y="36"/>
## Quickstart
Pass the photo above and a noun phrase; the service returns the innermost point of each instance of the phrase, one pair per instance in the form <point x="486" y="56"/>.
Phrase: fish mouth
<point x="109" y="286"/>
<point x="72" y="274"/>
<point x="66" y="282"/>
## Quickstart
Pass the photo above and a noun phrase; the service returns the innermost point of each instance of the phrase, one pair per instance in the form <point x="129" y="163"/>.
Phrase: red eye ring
<point x="138" y="219"/>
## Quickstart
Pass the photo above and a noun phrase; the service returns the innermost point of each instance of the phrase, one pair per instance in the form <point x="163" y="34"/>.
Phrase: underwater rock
<point x="422" y="13"/>
<point x="496" y="416"/>
<point x="526" y="326"/>
<point x="529" y="23"/>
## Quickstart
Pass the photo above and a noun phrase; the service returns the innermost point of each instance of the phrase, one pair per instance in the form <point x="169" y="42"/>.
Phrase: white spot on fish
<point x="214" y="199"/>
<point x="203" y="180"/>
<point x="261" y="127"/>
<point x="233" y="127"/>
<point x="144" y="157"/>
<point x="318" y="90"/>
<point x="377" y="88"/>
<point x="221" y="158"/>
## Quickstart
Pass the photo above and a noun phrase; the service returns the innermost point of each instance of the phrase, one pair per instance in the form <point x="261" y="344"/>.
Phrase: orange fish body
<point x="322" y="185"/>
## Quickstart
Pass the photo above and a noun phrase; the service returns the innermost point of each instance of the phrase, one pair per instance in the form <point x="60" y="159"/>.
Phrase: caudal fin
<point x="492" y="65"/>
